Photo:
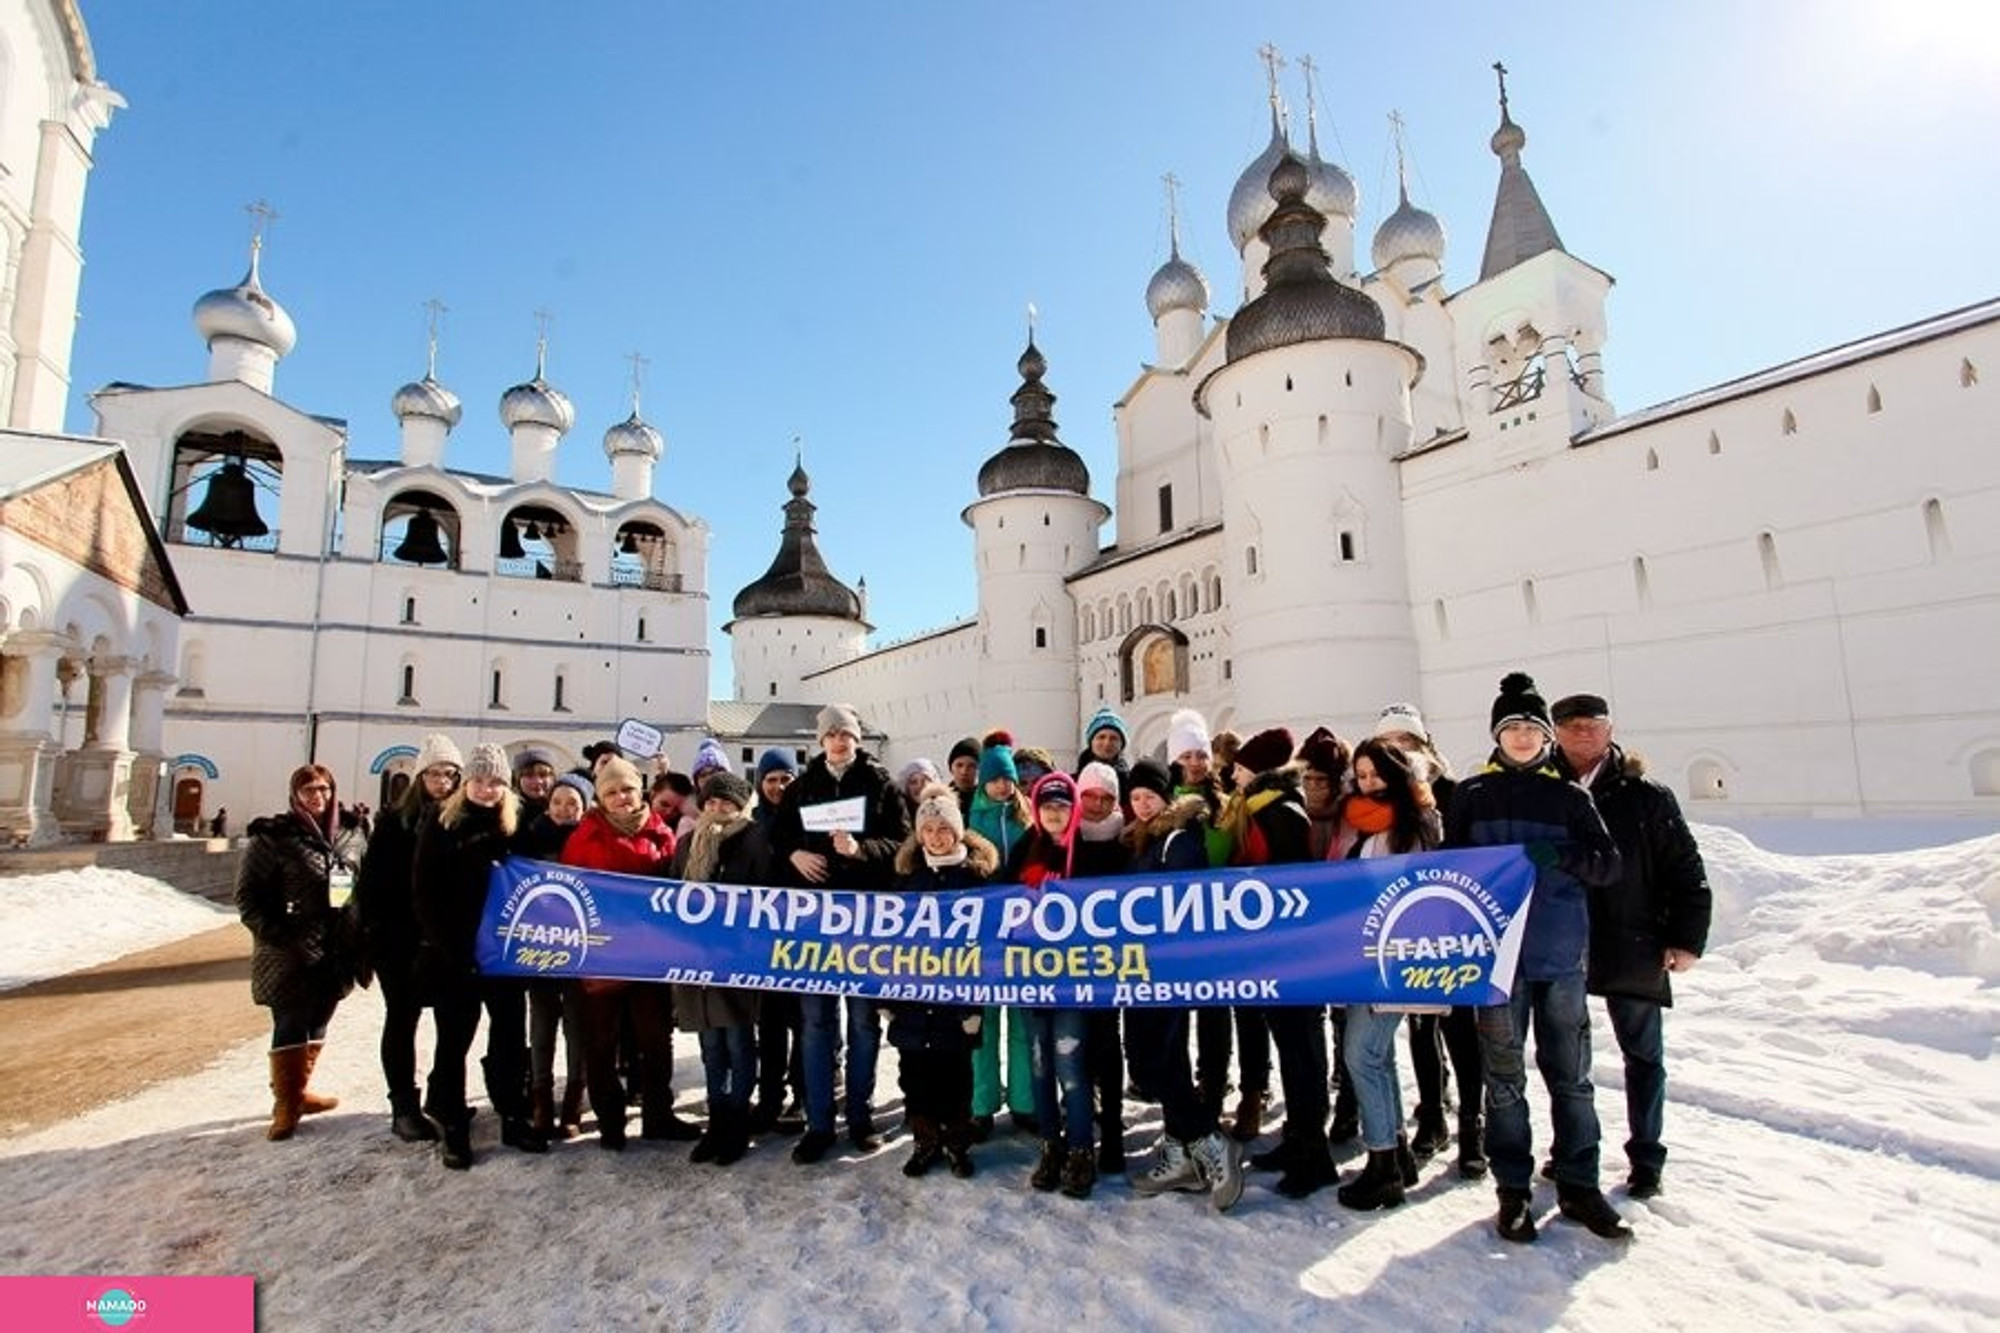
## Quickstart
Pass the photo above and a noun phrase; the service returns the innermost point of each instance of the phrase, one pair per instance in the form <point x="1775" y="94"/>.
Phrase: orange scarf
<point x="1367" y="815"/>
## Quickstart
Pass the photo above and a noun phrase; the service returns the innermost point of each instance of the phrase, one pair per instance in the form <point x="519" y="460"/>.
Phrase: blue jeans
<point x="1562" y="1053"/>
<point x="729" y="1059"/>
<point x="820" y="1036"/>
<point x="1059" y="1055"/>
<point x="1371" y="1066"/>
<point x="1641" y="1038"/>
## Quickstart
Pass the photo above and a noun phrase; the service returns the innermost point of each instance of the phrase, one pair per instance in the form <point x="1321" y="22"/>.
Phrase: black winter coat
<point x="1173" y="840"/>
<point x="453" y="869"/>
<point x="888" y="823"/>
<point x="1661" y="899"/>
<point x="383" y="895"/>
<point x="1532" y="806"/>
<point x="305" y="950"/>
<point x="940" y="1027"/>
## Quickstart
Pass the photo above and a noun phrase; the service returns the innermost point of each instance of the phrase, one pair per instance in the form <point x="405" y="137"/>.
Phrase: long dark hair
<point x="1408" y="795"/>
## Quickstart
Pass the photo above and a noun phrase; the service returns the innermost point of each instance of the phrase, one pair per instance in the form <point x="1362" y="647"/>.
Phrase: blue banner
<point x="1439" y="928"/>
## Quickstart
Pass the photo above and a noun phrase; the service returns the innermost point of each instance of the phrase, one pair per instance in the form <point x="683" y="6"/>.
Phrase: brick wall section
<point x="203" y="867"/>
<point x="87" y="518"/>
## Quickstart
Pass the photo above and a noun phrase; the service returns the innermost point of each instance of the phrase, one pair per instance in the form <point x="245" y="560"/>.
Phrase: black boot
<point x="1277" y="1157"/>
<point x="927" y="1146"/>
<point x="1111" y="1155"/>
<point x="731" y="1130"/>
<point x="1406" y="1162"/>
<point x="1048" y="1170"/>
<point x="406" y="1122"/>
<point x="519" y="1132"/>
<point x="1432" y="1137"/>
<point x="1516" y="1221"/>
<point x="1471" y="1146"/>
<point x="1079" y="1173"/>
<point x="1310" y="1169"/>
<point x="455" y="1151"/>
<point x="958" y="1149"/>
<point x="1380" y="1184"/>
<point x="1587" y="1204"/>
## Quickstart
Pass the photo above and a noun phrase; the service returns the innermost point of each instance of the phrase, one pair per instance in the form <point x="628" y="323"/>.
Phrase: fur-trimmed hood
<point x="1184" y="812"/>
<point x="982" y="858"/>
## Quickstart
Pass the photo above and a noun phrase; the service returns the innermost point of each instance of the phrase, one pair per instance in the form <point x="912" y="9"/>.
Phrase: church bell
<point x="420" y="545"/>
<point x="228" y="512"/>
<point x="510" y="542"/>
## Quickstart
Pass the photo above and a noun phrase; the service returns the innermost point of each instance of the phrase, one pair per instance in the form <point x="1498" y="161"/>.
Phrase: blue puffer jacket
<point x="1539" y="809"/>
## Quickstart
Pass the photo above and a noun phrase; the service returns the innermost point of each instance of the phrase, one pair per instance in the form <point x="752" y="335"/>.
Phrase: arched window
<point x="226" y="489"/>
<point x="1642" y="583"/>
<point x="1934" y="530"/>
<point x="1984" y="768"/>
<point x="1767" y="555"/>
<point x="1707" y="781"/>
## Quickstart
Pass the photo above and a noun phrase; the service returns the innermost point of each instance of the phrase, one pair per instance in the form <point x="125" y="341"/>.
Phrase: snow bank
<point x="69" y="920"/>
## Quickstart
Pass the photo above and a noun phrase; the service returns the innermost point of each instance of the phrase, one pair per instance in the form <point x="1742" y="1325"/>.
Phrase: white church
<point x="1365" y="487"/>
<point x="1360" y="487"/>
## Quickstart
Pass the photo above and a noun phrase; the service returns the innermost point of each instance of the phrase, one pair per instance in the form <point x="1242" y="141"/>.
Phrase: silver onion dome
<point x="1302" y="301"/>
<point x="634" y="436"/>
<point x="427" y="398"/>
<point x="245" y="311"/>
<point x="1408" y="233"/>
<point x="1177" y="285"/>
<point x="1330" y="190"/>
<point x="1250" y="202"/>
<point x="537" y="403"/>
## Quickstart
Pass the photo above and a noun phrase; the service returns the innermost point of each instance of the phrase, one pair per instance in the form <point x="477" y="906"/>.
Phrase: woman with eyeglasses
<point x="294" y="890"/>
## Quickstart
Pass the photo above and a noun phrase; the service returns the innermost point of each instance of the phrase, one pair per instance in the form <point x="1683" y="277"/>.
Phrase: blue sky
<point x="827" y="221"/>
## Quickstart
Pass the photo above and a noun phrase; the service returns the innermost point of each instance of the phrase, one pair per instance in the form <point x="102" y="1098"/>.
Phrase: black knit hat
<point x="967" y="748"/>
<point x="1152" y="776"/>
<point x="1520" y="701"/>
<point x="728" y="786"/>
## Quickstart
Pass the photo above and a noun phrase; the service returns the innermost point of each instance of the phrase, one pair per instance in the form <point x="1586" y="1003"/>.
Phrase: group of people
<point x="1620" y="903"/>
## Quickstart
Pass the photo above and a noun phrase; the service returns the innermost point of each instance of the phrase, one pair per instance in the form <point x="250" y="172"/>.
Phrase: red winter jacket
<point x="596" y="845"/>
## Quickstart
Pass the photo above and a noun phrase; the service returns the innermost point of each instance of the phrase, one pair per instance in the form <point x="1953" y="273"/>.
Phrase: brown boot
<point x="542" y="1108"/>
<point x="288" y="1087"/>
<point x="312" y="1103"/>
<point x="1249" y="1120"/>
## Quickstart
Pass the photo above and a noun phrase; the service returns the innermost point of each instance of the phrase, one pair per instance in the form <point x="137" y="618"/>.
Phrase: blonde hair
<point x="453" y="809"/>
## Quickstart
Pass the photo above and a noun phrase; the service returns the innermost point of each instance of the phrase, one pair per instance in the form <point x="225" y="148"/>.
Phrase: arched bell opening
<point x="226" y="486"/>
<point x="643" y="556"/>
<point x="537" y="542"/>
<point x="419" y="528"/>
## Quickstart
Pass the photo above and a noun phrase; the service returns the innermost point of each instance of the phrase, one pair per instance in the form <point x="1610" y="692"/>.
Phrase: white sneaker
<point x="1219" y="1159"/>
<point x="1174" y="1169"/>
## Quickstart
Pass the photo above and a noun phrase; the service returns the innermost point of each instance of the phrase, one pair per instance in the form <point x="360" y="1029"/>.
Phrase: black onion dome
<point x="1302" y="301"/>
<point x="798" y="582"/>
<point x="1034" y="459"/>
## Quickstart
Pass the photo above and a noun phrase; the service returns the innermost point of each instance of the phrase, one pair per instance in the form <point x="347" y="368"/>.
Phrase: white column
<point x="114" y="717"/>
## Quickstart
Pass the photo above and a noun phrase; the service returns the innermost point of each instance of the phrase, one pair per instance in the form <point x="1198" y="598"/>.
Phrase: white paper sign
<point x="639" y="740"/>
<point x="833" y="816"/>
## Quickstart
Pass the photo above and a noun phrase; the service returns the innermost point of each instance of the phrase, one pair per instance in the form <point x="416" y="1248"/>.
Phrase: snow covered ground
<point x="1834" y="1119"/>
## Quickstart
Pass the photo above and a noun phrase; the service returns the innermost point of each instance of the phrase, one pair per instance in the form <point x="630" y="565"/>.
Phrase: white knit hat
<point x="1186" y="730"/>
<point x="1401" y="719"/>
<point x="1098" y="777"/>
<point x="438" y="748"/>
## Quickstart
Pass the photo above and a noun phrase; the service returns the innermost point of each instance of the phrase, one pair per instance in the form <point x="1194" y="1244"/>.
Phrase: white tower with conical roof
<point x="1311" y="409"/>
<point x="797" y="618"/>
<point x="1033" y="525"/>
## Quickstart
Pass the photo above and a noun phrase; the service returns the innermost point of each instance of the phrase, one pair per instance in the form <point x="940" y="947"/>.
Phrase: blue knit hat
<point x="1106" y="720"/>
<point x="996" y="760"/>
<point x="775" y="760"/>
<point x="579" y="784"/>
